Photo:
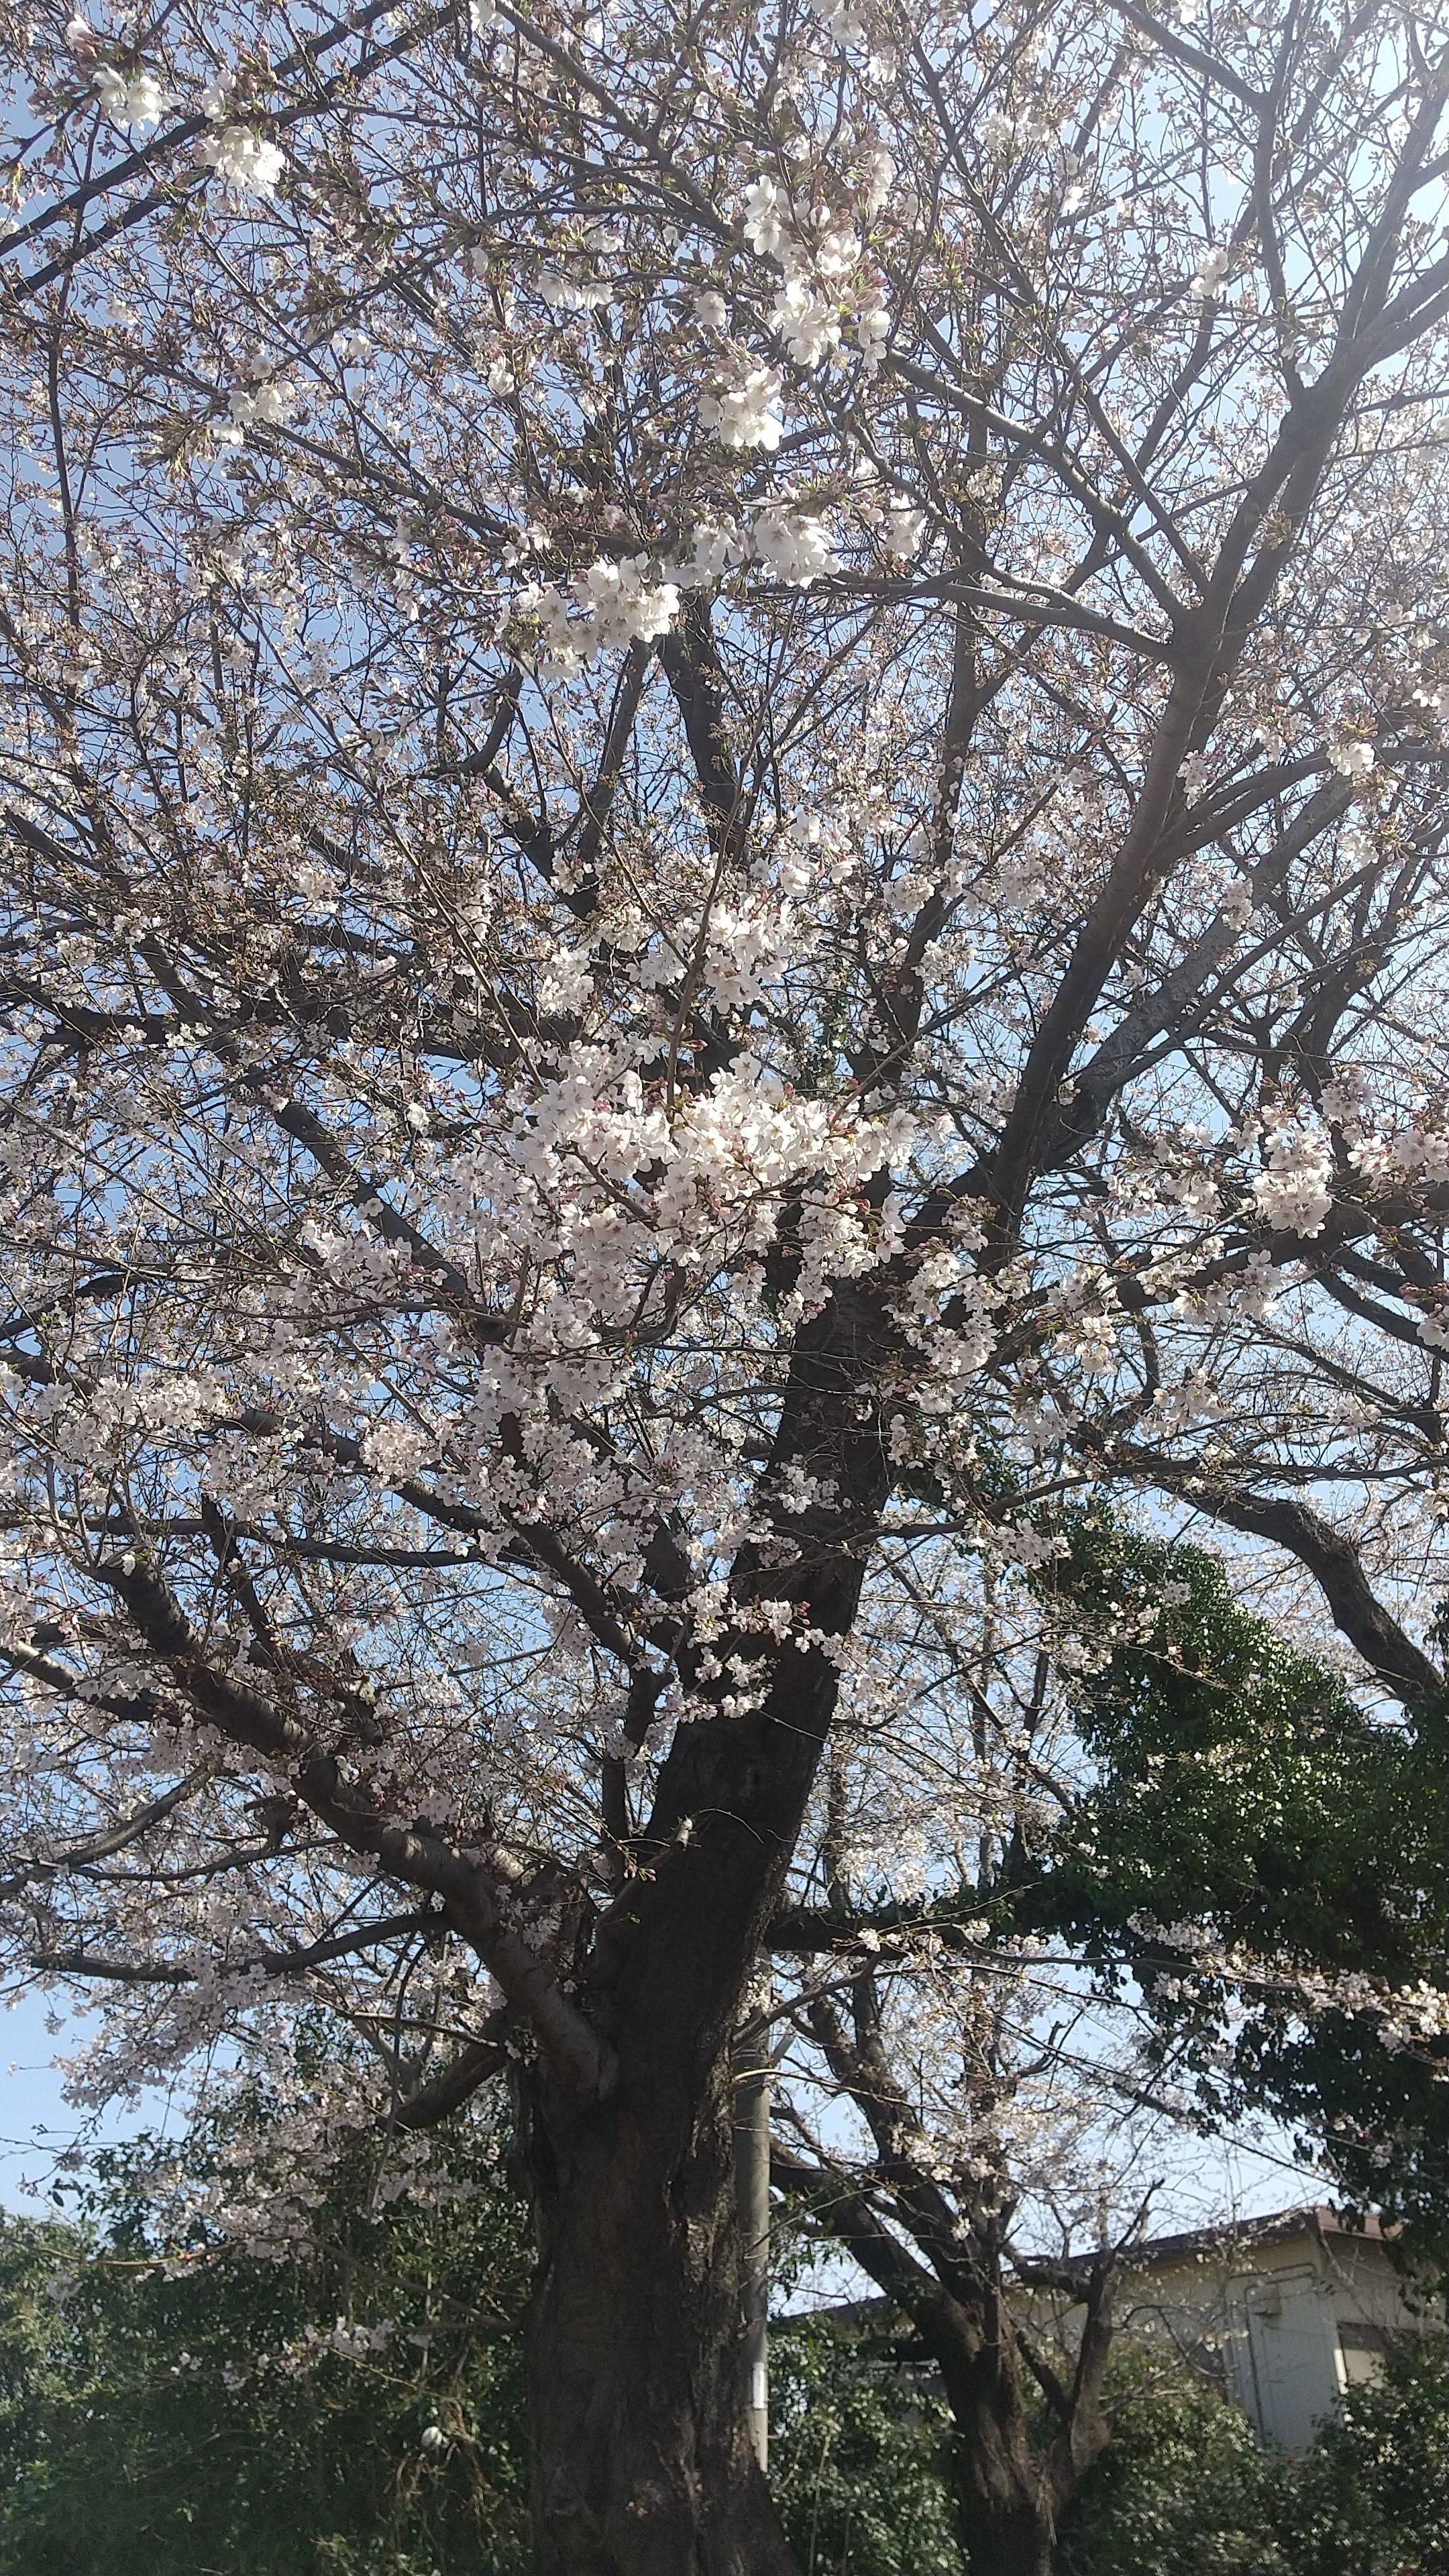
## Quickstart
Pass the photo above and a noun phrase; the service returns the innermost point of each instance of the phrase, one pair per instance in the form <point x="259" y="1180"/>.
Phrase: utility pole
<point x="751" y="2073"/>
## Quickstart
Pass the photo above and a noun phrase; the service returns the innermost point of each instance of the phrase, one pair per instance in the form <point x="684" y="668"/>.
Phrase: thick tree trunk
<point x="1009" y="2533"/>
<point x="1009" y="2538"/>
<point x="1003" y="2493"/>
<point x="642" y="2461"/>
<point x="638" y="2397"/>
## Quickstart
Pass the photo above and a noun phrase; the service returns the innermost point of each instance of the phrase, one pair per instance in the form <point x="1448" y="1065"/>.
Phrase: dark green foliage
<point x="128" y="2449"/>
<point x="1238" y="1784"/>
<point x="1373" y="2497"/>
<point x="165" y="2419"/>
<point x="1233" y="1784"/>
<point x="858" y="2457"/>
<point x="39" y="2349"/>
<point x="143" y="2431"/>
<point x="1184" y="2490"/>
<point x="149" y="2424"/>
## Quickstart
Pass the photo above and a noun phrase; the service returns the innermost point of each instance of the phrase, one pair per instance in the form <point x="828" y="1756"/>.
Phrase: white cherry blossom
<point x="739" y="402"/>
<point x="136" y="100"/>
<point x="249" y="164"/>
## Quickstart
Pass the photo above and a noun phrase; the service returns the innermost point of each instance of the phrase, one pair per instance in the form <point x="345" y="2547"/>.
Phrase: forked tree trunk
<point x="1013" y="2486"/>
<point x="642" y="2461"/>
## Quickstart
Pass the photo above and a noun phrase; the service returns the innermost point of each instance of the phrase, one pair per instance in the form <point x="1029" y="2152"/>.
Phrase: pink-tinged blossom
<point x="739" y="401"/>
<point x="1293" y="1192"/>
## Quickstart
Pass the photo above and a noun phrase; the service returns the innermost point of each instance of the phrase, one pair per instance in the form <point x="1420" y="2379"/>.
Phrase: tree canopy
<point x="723" y="772"/>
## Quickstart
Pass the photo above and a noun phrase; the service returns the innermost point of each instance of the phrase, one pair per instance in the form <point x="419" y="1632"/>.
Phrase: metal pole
<point x="751" y="2070"/>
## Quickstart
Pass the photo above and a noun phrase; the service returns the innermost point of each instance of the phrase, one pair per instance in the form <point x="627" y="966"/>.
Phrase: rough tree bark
<point x="642" y="2459"/>
<point x="642" y="2462"/>
<point x="1004" y="2500"/>
<point x="639" y="2408"/>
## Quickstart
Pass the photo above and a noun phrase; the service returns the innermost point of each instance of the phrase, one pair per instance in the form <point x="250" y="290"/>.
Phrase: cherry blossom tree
<point x="723" y="772"/>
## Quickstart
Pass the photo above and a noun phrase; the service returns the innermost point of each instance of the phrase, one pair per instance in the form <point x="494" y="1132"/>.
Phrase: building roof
<point x="1233" y="2236"/>
<point x="1313" y="2218"/>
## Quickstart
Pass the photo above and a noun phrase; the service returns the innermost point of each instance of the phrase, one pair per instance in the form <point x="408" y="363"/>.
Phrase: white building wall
<point x="1284" y="2350"/>
<point x="1287" y="2320"/>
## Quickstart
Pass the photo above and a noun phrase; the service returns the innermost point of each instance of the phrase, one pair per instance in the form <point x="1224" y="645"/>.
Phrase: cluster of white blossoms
<point x="767" y="226"/>
<point x="244" y="160"/>
<point x="572" y="289"/>
<point x="1292" y="1193"/>
<point x="834" y="255"/>
<point x="1415" y="1153"/>
<point x="762" y="219"/>
<point x="808" y="321"/>
<point x="948" y="1311"/>
<point x="618" y="603"/>
<point x="871" y="323"/>
<point x="904" y="531"/>
<point x="751" y="942"/>
<point x="135" y="100"/>
<point x="265" y="406"/>
<point x="714" y="549"/>
<point x="452" y="1241"/>
<point x="1210" y="272"/>
<point x="811" y="308"/>
<point x="806" y="312"/>
<point x="1005" y="136"/>
<point x="348" y="2339"/>
<point x="1412" y="1153"/>
<point x="901" y="524"/>
<point x="610" y="604"/>
<point x="794" y="546"/>
<point x="739" y="402"/>
<point x="880" y="178"/>
<point x="710" y="1169"/>
<point x="795" y="550"/>
<point x="839" y="21"/>
<point x="216" y="98"/>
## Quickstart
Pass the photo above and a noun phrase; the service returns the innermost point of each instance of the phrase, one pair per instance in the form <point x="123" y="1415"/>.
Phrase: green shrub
<point x="858" y="2457"/>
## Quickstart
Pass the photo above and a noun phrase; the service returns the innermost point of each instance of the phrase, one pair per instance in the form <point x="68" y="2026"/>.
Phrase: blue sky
<point x="36" y="2122"/>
